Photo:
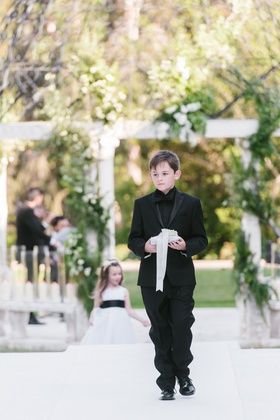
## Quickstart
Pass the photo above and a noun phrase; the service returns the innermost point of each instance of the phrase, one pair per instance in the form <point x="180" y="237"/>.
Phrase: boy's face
<point x="164" y="177"/>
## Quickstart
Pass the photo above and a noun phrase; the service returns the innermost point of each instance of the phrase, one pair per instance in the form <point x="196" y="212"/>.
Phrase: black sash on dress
<point x="112" y="303"/>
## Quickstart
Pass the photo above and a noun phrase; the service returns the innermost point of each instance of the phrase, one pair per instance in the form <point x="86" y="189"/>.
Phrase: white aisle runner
<point x="113" y="383"/>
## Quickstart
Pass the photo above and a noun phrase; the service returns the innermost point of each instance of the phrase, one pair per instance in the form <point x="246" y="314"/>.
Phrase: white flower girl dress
<point x="111" y="323"/>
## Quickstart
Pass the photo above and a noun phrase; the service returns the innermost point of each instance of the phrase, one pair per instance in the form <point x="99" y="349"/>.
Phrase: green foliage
<point x="98" y="89"/>
<point x="71" y="156"/>
<point x="246" y="273"/>
<point x="251" y="184"/>
<point x="81" y="266"/>
<point x="250" y="190"/>
<point x="267" y="103"/>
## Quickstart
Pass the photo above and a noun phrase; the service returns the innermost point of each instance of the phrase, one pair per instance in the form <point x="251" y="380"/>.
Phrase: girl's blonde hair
<point x="103" y="280"/>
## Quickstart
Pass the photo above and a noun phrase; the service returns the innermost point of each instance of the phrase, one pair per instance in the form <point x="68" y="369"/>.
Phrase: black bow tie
<point x="160" y="196"/>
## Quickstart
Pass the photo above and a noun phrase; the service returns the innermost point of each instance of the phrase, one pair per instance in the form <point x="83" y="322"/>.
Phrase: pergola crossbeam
<point x="126" y="129"/>
<point x="122" y="130"/>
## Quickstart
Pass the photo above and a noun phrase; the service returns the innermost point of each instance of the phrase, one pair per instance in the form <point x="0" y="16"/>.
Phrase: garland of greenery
<point x="251" y="188"/>
<point x="71" y="158"/>
<point x="246" y="274"/>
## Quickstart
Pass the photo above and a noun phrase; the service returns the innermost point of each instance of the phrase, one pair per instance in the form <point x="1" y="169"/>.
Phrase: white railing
<point x="36" y="281"/>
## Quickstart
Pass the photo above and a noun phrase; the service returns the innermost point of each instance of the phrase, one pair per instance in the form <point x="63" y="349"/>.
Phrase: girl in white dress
<point x="109" y="320"/>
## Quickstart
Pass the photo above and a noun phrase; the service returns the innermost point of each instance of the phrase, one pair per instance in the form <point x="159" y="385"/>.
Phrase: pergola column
<point x="250" y="223"/>
<point x="255" y="325"/>
<point x="103" y="172"/>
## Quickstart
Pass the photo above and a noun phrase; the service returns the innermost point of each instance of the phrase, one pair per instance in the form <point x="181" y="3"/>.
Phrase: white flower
<point x="193" y="138"/>
<point x="183" y="134"/>
<point x="109" y="77"/>
<point x="99" y="113"/>
<point x="185" y="130"/>
<point x="171" y="109"/>
<point x="180" y="118"/>
<point x="195" y="106"/>
<point x="63" y="133"/>
<point x="84" y="78"/>
<point x="111" y="116"/>
<point x="118" y="107"/>
<point x="80" y="261"/>
<point x="87" y="271"/>
<point x="122" y="96"/>
<point x="182" y="68"/>
<point x="184" y="109"/>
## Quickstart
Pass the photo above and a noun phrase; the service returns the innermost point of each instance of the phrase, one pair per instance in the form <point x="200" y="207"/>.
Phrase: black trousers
<point x="171" y="317"/>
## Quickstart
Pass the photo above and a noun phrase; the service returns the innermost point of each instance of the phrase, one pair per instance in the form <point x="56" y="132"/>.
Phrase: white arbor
<point x="256" y="332"/>
<point x="108" y="141"/>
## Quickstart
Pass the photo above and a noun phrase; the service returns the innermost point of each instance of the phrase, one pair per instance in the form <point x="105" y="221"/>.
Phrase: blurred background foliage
<point x="103" y="59"/>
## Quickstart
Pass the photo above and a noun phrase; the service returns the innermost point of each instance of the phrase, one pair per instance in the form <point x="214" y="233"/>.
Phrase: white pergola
<point x="108" y="141"/>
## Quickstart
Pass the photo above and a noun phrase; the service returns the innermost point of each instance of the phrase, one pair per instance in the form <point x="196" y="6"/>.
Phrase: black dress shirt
<point x="165" y="203"/>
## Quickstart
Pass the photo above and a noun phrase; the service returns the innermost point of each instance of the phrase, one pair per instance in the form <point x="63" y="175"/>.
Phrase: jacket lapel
<point x="177" y="203"/>
<point x="156" y="210"/>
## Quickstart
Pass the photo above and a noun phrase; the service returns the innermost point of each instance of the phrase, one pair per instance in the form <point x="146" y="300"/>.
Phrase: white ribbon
<point x="161" y="241"/>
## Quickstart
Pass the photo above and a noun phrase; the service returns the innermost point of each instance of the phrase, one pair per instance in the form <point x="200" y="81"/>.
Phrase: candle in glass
<point x="42" y="285"/>
<point x="28" y="291"/>
<point x="55" y="293"/>
<point x="5" y="290"/>
<point x="71" y="292"/>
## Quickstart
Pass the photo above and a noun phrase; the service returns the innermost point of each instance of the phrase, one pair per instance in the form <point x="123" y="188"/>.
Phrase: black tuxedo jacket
<point x="30" y="231"/>
<point x="187" y="219"/>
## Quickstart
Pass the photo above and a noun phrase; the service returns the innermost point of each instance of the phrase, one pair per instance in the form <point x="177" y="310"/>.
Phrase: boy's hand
<point x="146" y="323"/>
<point x="150" y="248"/>
<point x="179" y="245"/>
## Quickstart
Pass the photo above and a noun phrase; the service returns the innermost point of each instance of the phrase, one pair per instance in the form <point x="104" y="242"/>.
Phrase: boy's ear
<point x="177" y="174"/>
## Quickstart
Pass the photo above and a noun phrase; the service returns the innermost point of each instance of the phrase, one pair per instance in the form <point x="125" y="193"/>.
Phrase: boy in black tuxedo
<point x="169" y="307"/>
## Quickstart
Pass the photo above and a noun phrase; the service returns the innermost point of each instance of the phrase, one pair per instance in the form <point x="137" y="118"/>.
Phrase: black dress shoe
<point x="34" y="321"/>
<point x="167" y="394"/>
<point x="187" y="388"/>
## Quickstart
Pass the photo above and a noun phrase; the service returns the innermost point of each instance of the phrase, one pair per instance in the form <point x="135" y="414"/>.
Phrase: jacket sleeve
<point x="136" y="239"/>
<point x="35" y="226"/>
<point x="197" y="241"/>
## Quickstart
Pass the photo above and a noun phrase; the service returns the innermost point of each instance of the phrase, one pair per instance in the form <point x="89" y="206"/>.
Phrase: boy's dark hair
<point x="32" y="193"/>
<point x="165" y="156"/>
<point x="56" y="219"/>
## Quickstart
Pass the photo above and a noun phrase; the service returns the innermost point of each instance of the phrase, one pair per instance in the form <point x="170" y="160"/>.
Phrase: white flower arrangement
<point x="178" y="115"/>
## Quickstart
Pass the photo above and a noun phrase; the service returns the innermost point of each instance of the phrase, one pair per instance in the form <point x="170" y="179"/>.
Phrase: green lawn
<point x="215" y="288"/>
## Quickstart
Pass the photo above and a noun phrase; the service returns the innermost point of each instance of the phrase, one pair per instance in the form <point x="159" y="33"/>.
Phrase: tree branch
<point x="239" y="96"/>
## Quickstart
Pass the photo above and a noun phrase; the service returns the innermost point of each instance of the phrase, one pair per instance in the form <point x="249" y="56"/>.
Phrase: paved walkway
<point x="117" y="382"/>
<point x="112" y="382"/>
